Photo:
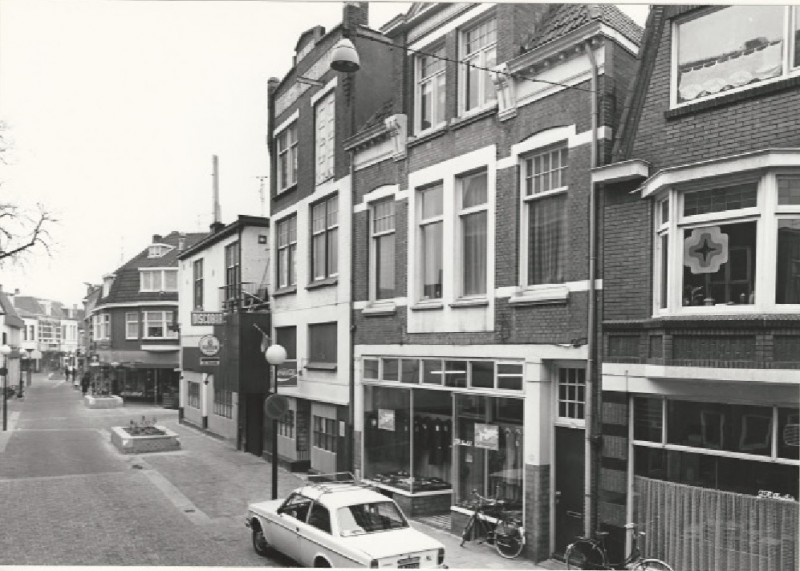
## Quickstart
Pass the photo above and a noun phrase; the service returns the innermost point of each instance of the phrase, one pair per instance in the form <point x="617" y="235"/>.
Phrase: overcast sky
<point x="115" y="109"/>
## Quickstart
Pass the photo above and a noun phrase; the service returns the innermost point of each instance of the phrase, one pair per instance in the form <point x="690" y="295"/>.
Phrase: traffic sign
<point x="276" y="406"/>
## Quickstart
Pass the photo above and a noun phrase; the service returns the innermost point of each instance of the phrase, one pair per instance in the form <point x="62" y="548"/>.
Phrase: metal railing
<point x="243" y="295"/>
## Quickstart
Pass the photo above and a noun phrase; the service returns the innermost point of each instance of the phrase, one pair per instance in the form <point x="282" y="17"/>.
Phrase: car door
<point x="315" y="537"/>
<point x="287" y="524"/>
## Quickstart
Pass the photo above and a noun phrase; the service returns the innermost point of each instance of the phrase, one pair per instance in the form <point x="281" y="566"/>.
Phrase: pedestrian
<point x="66" y="372"/>
<point x="85" y="382"/>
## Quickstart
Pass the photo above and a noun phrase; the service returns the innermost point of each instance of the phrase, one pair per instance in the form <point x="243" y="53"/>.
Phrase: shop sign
<point x="386" y="419"/>
<point x="209" y="345"/>
<point x="208" y="318"/>
<point x="209" y="361"/>
<point x="287" y="375"/>
<point x="487" y="436"/>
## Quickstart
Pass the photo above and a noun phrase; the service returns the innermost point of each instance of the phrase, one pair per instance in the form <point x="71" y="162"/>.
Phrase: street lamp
<point x="276" y="355"/>
<point x="5" y="350"/>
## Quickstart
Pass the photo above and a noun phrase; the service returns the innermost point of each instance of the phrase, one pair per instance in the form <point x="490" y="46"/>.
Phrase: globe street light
<point x="276" y="355"/>
<point x="5" y="350"/>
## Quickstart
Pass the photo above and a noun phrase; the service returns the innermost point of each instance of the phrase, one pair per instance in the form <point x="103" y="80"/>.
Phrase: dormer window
<point x="158" y="250"/>
<point x="158" y="279"/>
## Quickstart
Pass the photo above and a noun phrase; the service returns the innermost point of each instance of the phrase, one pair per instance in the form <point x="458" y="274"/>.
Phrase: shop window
<point x="571" y="393"/>
<point x="431" y="245"/>
<point x="325" y="433"/>
<point x="383" y="246"/>
<point x="371" y="369"/>
<point x="324" y="238"/>
<point x="509" y="376"/>
<point x="287" y="251"/>
<point x="286" y="424"/>
<point x="193" y="395"/>
<point x="754" y="49"/>
<point x="482" y="374"/>
<point x="387" y="436"/>
<point x="390" y="369"/>
<point x="478" y="53"/>
<point x="409" y="372"/>
<point x="455" y="374"/>
<point x="322" y="344"/>
<point x="648" y="419"/>
<point x="472" y="218"/>
<point x="432" y="372"/>
<point x="789" y="433"/>
<point x="430" y="90"/>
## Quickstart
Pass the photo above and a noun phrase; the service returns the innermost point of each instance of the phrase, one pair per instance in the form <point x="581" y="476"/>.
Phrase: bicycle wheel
<point x="652" y="565"/>
<point x="584" y="555"/>
<point x="509" y="539"/>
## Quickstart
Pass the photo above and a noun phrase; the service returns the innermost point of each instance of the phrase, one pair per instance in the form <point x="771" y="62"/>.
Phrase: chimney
<point x="156" y="238"/>
<point x="181" y="242"/>
<point x="355" y="14"/>
<point x="16" y="290"/>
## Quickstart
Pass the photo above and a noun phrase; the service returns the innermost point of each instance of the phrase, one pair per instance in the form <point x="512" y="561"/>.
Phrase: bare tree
<point x="22" y="231"/>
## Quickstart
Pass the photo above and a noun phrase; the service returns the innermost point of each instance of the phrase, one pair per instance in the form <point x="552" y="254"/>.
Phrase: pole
<point x="21" y="380"/>
<point x="275" y="440"/>
<point x="5" y="395"/>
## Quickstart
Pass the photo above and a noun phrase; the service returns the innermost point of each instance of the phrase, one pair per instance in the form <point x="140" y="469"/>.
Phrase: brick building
<point x="701" y="305"/>
<point x="471" y="257"/>
<point x="312" y="110"/>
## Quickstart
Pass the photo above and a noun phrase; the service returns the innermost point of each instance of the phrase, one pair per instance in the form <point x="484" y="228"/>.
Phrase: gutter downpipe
<point x="588" y="508"/>
<point x="351" y="412"/>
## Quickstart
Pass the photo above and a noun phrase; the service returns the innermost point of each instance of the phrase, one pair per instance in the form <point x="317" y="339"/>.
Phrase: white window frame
<point x="288" y="268"/>
<point x="421" y="223"/>
<point x="286" y="148"/>
<point x="162" y="276"/>
<point x="329" y="233"/>
<point x="788" y="70"/>
<point x="527" y="199"/>
<point x="475" y="58"/>
<point x="461" y="214"/>
<point x="567" y="420"/>
<point x="132" y="319"/>
<point x="159" y="250"/>
<point x="324" y="137"/>
<point x="165" y="320"/>
<point x="375" y="237"/>
<point x="766" y="214"/>
<point x="437" y="81"/>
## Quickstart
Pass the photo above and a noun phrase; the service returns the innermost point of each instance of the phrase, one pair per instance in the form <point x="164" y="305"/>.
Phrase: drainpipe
<point x="351" y="410"/>
<point x="589" y="499"/>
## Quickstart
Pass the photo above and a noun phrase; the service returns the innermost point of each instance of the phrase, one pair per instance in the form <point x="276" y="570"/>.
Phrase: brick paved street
<point x="68" y="497"/>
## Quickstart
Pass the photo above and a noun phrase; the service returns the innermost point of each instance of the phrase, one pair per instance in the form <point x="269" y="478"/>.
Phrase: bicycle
<point x="495" y="525"/>
<point x="591" y="553"/>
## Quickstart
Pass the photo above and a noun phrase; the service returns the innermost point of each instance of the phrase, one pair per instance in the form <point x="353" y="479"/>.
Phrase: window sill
<point x="286" y="190"/>
<point x="285" y="291"/>
<point x="378" y="308"/>
<point x="470" y="302"/>
<point x="428" y="305"/>
<point x="541" y="295"/>
<point x="426" y="136"/>
<point x="323" y="283"/>
<point x="319" y="366"/>
<point x="473" y="116"/>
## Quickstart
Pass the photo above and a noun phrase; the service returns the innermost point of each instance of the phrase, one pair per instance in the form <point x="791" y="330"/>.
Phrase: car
<point x="341" y="524"/>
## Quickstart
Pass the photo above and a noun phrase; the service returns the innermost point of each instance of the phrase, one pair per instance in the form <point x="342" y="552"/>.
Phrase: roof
<point x="125" y="287"/>
<point x="7" y="308"/>
<point x="212" y="238"/>
<point x="565" y="18"/>
<point x="27" y="306"/>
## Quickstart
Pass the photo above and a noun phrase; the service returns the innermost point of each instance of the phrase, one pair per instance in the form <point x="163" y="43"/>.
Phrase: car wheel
<point x="260" y="544"/>
<point x="320" y="562"/>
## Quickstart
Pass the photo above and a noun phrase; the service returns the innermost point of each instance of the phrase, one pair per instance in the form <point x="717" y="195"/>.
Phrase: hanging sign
<point x="386" y="419"/>
<point x="705" y="250"/>
<point x="487" y="436"/>
<point x="209" y="345"/>
<point x="208" y="318"/>
<point x="287" y="374"/>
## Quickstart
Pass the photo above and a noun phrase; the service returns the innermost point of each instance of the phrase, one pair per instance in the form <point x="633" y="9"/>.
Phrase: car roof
<point x="337" y="495"/>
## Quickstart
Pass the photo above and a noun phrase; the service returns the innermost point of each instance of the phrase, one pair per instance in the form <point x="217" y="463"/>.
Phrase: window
<point x="571" y="393"/>
<point x="325" y="433"/>
<point x="545" y="201"/>
<point x="322" y="343"/>
<point x="132" y="325"/>
<point x="371" y="368"/>
<point x="197" y="276"/>
<point x="755" y="48"/>
<point x="287" y="251"/>
<point x="324" y="120"/>
<point x="431" y="245"/>
<point x="101" y="325"/>
<point x="472" y="217"/>
<point x="223" y="399"/>
<point x="324" y="242"/>
<point x="478" y="54"/>
<point x="158" y="280"/>
<point x="320" y="518"/>
<point x="383" y="259"/>
<point x="193" y="397"/>
<point x="296" y="506"/>
<point x="233" y="272"/>
<point x="286" y="424"/>
<point x="157" y="325"/>
<point x="158" y="250"/>
<point x="730" y="245"/>
<point x="287" y="157"/>
<point x="430" y="68"/>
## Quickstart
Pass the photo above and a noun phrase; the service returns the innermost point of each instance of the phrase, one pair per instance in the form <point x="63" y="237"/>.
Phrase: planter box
<point x="128" y="444"/>
<point x="102" y="402"/>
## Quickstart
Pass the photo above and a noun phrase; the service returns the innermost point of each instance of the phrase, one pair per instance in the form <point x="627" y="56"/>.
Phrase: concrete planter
<point x="113" y="401"/>
<point x="128" y="444"/>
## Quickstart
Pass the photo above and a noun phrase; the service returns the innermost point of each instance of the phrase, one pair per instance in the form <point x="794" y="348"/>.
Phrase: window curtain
<point x="701" y="529"/>
<point x="547" y="240"/>
<point x="474" y="253"/>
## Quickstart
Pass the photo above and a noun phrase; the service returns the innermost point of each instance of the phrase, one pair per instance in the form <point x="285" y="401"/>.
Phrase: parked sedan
<point x="341" y="525"/>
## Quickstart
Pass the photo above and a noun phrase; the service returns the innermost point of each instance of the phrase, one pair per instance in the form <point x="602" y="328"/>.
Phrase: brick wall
<point x="537" y="513"/>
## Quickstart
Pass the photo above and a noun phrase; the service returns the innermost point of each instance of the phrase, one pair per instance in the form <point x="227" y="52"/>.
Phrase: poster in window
<point x="386" y="419"/>
<point x="487" y="436"/>
<point x="705" y="250"/>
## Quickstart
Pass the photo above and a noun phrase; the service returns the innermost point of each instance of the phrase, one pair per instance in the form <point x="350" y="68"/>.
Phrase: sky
<point x="115" y="109"/>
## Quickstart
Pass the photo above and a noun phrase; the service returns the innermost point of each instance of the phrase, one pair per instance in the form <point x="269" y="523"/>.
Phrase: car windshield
<point x="369" y="518"/>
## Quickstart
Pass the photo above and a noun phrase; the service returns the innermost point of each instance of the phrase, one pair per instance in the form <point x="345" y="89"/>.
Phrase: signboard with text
<point x="287" y="374"/>
<point x="208" y="318"/>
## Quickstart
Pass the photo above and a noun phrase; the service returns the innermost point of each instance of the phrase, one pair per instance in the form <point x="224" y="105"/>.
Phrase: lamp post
<point x="276" y="355"/>
<point x="5" y="350"/>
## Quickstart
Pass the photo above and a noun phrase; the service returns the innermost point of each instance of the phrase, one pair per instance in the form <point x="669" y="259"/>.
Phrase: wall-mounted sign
<point x="209" y="361"/>
<point x="386" y="419"/>
<point x="209" y="345"/>
<point x="208" y="318"/>
<point x="287" y="374"/>
<point x="487" y="436"/>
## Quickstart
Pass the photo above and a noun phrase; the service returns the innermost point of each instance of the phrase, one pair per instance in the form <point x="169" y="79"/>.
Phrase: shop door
<point x="254" y="420"/>
<point x="569" y="486"/>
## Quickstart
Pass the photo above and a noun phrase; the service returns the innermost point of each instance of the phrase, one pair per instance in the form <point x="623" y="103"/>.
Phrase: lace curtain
<point x="701" y="529"/>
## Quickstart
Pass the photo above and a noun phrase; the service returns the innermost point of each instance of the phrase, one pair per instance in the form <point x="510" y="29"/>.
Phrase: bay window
<point x="755" y="48"/>
<point x="728" y="245"/>
<point x="324" y="238"/>
<point x="430" y="90"/>
<point x="478" y="53"/>
<point x="157" y="325"/>
<point x="287" y="157"/>
<point x="382" y="227"/>
<point x="431" y="245"/>
<point x="287" y="251"/>
<point x="473" y="219"/>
